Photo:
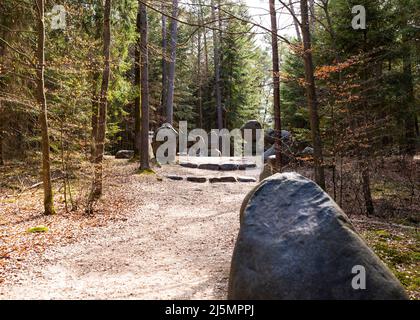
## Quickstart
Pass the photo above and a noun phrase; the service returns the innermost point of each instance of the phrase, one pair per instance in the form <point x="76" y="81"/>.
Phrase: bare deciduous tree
<point x="42" y="101"/>
<point x="172" y="63"/>
<point x="96" y="189"/>
<point x="164" y="97"/>
<point x="311" y="95"/>
<point x="216" y="45"/>
<point x="137" y="79"/>
<point x="276" y="85"/>
<point x="295" y="21"/>
<point x="144" y="150"/>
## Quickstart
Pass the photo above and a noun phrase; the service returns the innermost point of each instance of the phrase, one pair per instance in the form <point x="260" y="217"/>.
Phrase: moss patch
<point x="391" y="189"/>
<point x="145" y="171"/>
<point x="400" y="250"/>
<point x="38" y="229"/>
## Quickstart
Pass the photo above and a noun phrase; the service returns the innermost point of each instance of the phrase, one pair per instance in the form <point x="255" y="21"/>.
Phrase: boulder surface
<point x="296" y="243"/>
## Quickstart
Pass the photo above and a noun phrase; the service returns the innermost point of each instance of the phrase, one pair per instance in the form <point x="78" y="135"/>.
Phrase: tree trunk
<point x="219" y="24"/>
<point x="199" y="76"/>
<point x="96" y="190"/>
<point x="218" y="91"/>
<point x="95" y="97"/>
<point x="1" y="147"/>
<point x="312" y="15"/>
<point x="144" y="154"/>
<point x="63" y="163"/>
<point x="2" y="124"/>
<point x="276" y="84"/>
<point x="164" y="97"/>
<point x="333" y="36"/>
<point x="311" y="96"/>
<point x="295" y="21"/>
<point x="40" y="70"/>
<point x="1" y="151"/>
<point x="172" y="64"/>
<point x="206" y="52"/>
<point x="94" y="116"/>
<point x="409" y="100"/>
<point x="366" y="188"/>
<point x="137" y="78"/>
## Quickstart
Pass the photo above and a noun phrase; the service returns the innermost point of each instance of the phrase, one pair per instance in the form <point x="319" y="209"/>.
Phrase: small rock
<point x="209" y="166"/>
<point x="244" y="166"/>
<point x="246" y="179"/>
<point x="222" y="179"/>
<point x="308" y="151"/>
<point x="197" y="179"/>
<point x="228" y="167"/>
<point x="124" y="154"/>
<point x="175" y="178"/>
<point x="188" y="165"/>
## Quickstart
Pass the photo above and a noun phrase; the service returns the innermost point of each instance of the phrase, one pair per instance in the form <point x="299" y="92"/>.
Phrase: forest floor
<point x="150" y="238"/>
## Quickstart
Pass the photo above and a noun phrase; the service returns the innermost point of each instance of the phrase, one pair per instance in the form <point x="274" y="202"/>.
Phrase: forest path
<point x="175" y="243"/>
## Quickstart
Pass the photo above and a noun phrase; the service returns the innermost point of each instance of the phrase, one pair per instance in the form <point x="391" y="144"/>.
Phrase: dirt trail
<point x="175" y="244"/>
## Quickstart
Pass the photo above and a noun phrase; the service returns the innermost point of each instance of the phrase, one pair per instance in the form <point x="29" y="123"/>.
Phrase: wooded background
<point x="121" y="68"/>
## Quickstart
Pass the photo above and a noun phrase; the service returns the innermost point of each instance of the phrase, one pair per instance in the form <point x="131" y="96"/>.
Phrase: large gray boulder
<point x="270" y="136"/>
<point x="296" y="243"/>
<point x="308" y="151"/>
<point x="169" y="127"/>
<point x="155" y="144"/>
<point x="269" y="168"/>
<point x="269" y="152"/>
<point x="252" y="125"/>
